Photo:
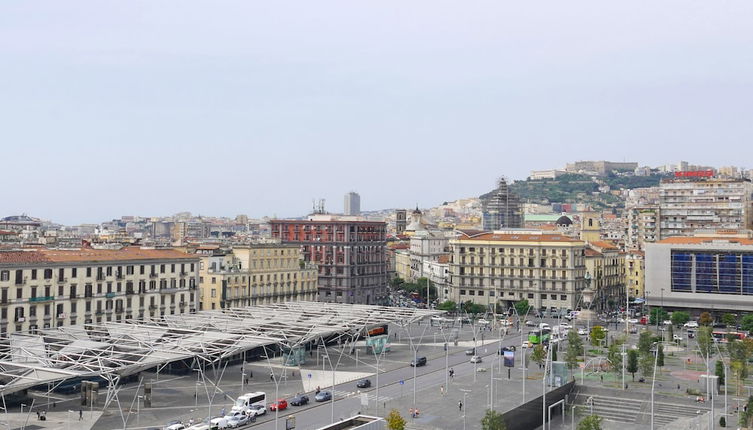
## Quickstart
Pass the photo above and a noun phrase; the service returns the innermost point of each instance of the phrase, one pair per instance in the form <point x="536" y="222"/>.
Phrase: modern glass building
<point x="705" y="273"/>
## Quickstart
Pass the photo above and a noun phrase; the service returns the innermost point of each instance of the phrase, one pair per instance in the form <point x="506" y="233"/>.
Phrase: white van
<point x="249" y="399"/>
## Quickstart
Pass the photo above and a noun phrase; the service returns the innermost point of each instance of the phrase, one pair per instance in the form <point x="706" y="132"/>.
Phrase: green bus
<point x="539" y="336"/>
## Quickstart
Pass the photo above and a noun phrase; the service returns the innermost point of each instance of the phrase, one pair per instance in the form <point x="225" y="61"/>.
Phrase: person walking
<point x="460" y="405"/>
<point x="441" y="390"/>
<point x="80" y="415"/>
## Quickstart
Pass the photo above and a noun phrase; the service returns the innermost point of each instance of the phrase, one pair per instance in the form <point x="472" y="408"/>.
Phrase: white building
<point x="352" y="204"/>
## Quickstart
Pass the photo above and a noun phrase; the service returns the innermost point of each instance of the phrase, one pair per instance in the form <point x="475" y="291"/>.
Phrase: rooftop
<point x="680" y="240"/>
<point x="42" y="255"/>
<point x="523" y="236"/>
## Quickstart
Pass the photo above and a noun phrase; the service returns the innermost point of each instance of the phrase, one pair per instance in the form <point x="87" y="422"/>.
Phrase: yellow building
<point x="257" y="274"/>
<point x="503" y="267"/>
<point x="278" y="273"/>
<point x="402" y="264"/>
<point x="635" y="277"/>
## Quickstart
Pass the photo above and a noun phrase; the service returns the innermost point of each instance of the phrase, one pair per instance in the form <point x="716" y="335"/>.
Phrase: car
<point x="363" y="383"/>
<point x="542" y="326"/>
<point x="691" y="324"/>
<point x="527" y="344"/>
<point x="175" y="425"/>
<point x="566" y="326"/>
<point x="218" y="423"/>
<point x="676" y="338"/>
<point x="299" y="400"/>
<point x="633" y="321"/>
<point x="582" y="331"/>
<point x="471" y="351"/>
<point x="483" y="322"/>
<point x="667" y="322"/>
<point x="420" y="361"/>
<point x="476" y="359"/>
<point x="279" y="405"/>
<point x="256" y="410"/>
<point x="323" y="396"/>
<point x="530" y="323"/>
<point x="239" y="421"/>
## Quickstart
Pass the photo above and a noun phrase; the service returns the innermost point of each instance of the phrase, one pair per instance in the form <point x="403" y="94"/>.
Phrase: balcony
<point x="41" y="299"/>
<point x="110" y="295"/>
<point x="62" y="280"/>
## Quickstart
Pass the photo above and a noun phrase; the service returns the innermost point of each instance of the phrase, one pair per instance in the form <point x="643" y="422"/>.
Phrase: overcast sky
<point x="229" y="107"/>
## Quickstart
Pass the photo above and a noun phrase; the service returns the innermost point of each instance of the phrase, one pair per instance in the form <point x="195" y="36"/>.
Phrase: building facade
<point x="51" y="288"/>
<point x="507" y="266"/>
<point x="426" y="245"/>
<point x="255" y="274"/>
<point x="691" y="204"/>
<point x="605" y="265"/>
<point x="350" y="254"/>
<point x="700" y="274"/>
<point x="352" y="204"/>
<point x="635" y="276"/>
<point x="643" y="226"/>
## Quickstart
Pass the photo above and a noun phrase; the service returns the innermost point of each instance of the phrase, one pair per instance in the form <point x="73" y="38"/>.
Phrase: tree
<point x="659" y="313"/>
<point x="574" y="347"/>
<point x="448" y="305"/>
<point x="719" y="372"/>
<point x="597" y="335"/>
<point x="522" y="307"/>
<point x="395" y="421"/>
<point x="614" y="357"/>
<point x="493" y="421"/>
<point x="473" y="308"/>
<point x="397" y="282"/>
<point x="646" y="363"/>
<point x="632" y="362"/>
<point x="746" y="322"/>
<point x="705" y="341"/>
<point x="680" y="317"/>
<point x="660" y="356"/>
<point x="739" y="352"/>
<point x="591" y="422"/>
<point x="644" y="342"/>
<point x="705" y="319"/>
<point x="538" y="355"/>
<point x="671" y="333"/>
<point x="730" y="320"/>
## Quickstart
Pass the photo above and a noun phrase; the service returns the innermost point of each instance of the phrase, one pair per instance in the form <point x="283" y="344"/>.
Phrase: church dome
<point x="564" y="221"/>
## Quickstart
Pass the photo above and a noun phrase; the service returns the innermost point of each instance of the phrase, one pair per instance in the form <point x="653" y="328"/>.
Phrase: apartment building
<point x="701" y="273"/>
<point x="635" y="275"/>
<point x="643" y="226"/>
<point x="503" y="267"/>
<point x="700" y="202"/>
<point x="256" y="274"/>
<point x="605" y="266"/>
<point x="278" y="273"/>
<point x="44" y="288"/>
<point x="350" y="254"/>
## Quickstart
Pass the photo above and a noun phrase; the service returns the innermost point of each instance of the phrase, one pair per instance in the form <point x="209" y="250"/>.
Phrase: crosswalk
<point x="371" y="395"/>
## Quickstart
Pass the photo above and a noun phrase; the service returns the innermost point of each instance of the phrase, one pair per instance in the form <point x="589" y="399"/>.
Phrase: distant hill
<point x="575" y="188"/>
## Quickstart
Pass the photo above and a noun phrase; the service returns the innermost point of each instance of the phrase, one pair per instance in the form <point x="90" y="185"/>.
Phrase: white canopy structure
<point x="113" y="350"/>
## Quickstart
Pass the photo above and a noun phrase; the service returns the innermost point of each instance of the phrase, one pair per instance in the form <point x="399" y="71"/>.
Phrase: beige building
<point x="503" y="267"/>
<point x="606" y="273"/>
<point x="256" y="274"/>
<point x="45" y="288"/>
<point x="635" y="276"/>
<point x="403" y="264"/>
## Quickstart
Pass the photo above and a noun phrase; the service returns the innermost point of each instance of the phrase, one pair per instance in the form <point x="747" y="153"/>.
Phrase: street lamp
<point x="465" y="406"/>
<point x="138" y="409"/>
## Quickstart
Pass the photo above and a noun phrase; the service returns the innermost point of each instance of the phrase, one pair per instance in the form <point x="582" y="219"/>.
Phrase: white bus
<point x="250" y="399"/>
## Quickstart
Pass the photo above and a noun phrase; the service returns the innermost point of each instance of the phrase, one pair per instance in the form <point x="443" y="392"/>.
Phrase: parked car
<point x="299" y="400"/>
<point x="256" y="410"/>
<point x="633" y="321"/>
<point x="483" y="322"/>
<point x="582" y="331"/>
<point x="530" y="323"/>
<point x="323" y="396"/>
<point x="676" y="338"/>
<point x="527" y="344"/>
<point x="420" y="361"/>
<point x="175" y="425"/>
<point x="363" y="383"/>
<point x="476" y="359"/>
<point x="506" y="348"/>
<point x="239" y="421"/>
<point x="667" y="322"/>
<point x="566" y="326"/>
<point x="279" y="405"/>
<point x="691" y="324"/>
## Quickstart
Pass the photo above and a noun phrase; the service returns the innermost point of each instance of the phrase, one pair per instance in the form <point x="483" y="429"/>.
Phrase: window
<point x="47" y="273"/>
<point x="61" y="274"/>
<point x="214" y="293"/>
<point x="33" y="274"/>
<point x="462" y="292"/>
<point x="88" y="272"/>
<point x="563" y="297"/>
<point x="543" y="297"/>
<point x="74" y="272"/>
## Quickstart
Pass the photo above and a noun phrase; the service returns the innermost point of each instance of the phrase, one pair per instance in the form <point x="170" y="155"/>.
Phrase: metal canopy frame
<point x="113" y="350"/>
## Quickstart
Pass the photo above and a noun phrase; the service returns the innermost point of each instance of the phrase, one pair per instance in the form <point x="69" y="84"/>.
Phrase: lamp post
<point x="465" y="407"/>
<point x="138" y="409"/>
<point x="724" y="365"/>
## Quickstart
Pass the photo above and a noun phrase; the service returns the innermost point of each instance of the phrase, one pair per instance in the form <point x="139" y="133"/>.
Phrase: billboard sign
<point x="695" y="174"/>
<point x="509" y="357"/>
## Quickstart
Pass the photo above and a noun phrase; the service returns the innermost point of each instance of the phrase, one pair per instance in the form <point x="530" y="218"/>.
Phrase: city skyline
<point x="149" y="109"/>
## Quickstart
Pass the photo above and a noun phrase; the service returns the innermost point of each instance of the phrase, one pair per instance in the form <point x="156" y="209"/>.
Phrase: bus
<point x="538" y="336"/>
<point x="725" y="336"/>
<point x="376" y="330"/>
<point x="250" y="399"/>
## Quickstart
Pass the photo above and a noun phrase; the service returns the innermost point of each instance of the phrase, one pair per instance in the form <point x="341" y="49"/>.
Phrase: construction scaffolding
<point x="501" y="209"/>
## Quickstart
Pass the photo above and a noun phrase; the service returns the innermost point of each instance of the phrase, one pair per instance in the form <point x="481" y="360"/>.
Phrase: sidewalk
<point x="59" y="420"/>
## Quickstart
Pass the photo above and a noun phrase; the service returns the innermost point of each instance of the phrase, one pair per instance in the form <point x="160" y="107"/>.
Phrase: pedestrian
<point x="271" y="376"/>
<point x="250" y="374"/>
<point x="460" y="405"/>
<point x="441" y="390"/>
<point x="602" y="378"/>
<point x="37" y="415"/>
<point x="246" y="380"/>
<point x="80" y="415"/>
<point x="678" y="387"/>
<point x="222" y="412"/>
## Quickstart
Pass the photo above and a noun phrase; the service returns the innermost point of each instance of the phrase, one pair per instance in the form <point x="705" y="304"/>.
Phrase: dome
<point x="564" y="221"/>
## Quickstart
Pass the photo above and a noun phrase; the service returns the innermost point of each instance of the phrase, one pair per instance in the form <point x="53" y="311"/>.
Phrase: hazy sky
<point x="226" y="107"/>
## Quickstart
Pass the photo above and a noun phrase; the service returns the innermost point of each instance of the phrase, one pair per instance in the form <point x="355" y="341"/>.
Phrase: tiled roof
<point x="91" y="255"/>
<point x="520" y="237"/>
<point x="604" y="244"/>
<point x="592" y="253"/>
<point x="700" y="240"/>
<point x="442" y="259"/>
